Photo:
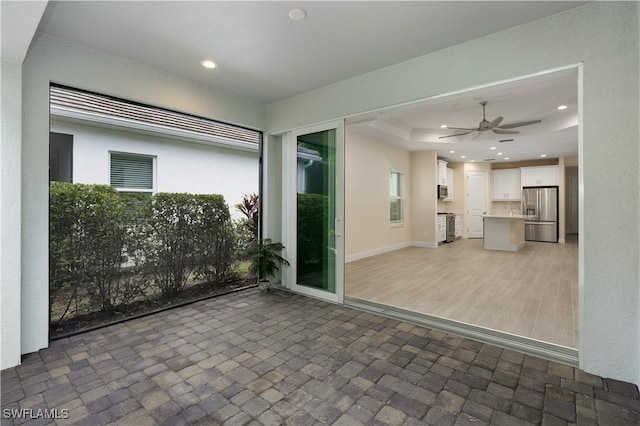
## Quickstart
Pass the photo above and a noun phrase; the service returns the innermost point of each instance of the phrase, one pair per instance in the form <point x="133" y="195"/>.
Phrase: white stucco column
<point x="10" y="212"/>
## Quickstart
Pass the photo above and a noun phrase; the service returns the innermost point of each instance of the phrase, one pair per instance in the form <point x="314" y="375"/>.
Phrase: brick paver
<point x="280" y="358"/>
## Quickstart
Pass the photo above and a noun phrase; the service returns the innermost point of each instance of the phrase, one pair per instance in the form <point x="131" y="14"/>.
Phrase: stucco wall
<point x="52" y="60"/>
<point x="367" y="166"/>
<point x="11" y="134"/>
<point x="603" y="36"/>
<point x="179" y="167"/>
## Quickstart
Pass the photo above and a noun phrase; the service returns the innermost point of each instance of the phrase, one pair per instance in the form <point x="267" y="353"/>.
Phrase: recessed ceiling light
<point x="452" y="152"/>
<point x="463" y="156"/>
<point x="207" y="63"/>
<point x="444" y="126"/>
<point x="297" y="14"/>
<point x="561" y="107"/>
<point x="493" y="147"/>
<point x="543" y="155"/>
<point x="473" y="161"/>
<point x="505" y="158"/>
<point x="499" y="153"/>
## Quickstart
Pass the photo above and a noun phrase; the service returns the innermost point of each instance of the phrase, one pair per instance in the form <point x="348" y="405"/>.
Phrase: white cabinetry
<point x="442" y="227"/>
<point x="442" y="172"/>
<point x="539" y="176"/>
<point x="458" y="230"/>
<point x="449" y="184"/>
<point x="506" y="185"/>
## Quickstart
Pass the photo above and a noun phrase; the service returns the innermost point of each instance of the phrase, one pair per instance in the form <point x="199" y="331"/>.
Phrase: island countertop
<point x="507" y="216"/>
<point x="503" y="231"/>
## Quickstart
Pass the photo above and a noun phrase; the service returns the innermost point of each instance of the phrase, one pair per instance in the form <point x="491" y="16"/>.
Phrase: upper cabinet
<point x="539" y="176"/>
<point x="442" y="172"/>
<point x="506" y="185"/>
<point x="449" y="184"/>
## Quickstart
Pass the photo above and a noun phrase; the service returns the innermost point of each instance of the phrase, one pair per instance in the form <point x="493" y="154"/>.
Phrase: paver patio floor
<point x="280" y="358"/>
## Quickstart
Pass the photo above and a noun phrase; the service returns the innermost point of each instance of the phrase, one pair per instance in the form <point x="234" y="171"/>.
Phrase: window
<point x="131" y="172"/>
<point x="395" y="198"/>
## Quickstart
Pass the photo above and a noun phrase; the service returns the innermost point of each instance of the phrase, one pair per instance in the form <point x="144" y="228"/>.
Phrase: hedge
<point x="115" y="247"/>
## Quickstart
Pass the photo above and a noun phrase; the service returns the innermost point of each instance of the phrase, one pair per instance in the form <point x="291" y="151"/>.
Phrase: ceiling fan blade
<point x="496" y="121"/>
<point x="461" y="128"/>
<point x="520" y="124"/>
<point x="457" y="134"/>
<point x="505" y="132"/>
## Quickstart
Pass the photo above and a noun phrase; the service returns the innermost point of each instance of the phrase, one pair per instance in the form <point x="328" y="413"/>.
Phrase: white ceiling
<point x="264" y="55"/>
<point x="417" y="126"/>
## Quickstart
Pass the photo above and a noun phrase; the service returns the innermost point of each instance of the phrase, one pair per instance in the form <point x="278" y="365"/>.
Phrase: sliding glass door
<point x="313" y="199"/>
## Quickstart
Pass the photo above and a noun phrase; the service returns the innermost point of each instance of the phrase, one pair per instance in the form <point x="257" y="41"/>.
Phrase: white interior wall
<point x="10" y="183"/>
<point x="603" y="36"/>
<point x="52" y="60"/>
<point x="180" y="166"/>
<point x="367" y="166"/>
<point x="424" y="168"/>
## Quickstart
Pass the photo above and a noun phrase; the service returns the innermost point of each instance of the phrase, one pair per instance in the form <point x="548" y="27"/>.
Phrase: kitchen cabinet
<point x="506" y="185"/>
<point x="442" y="172"/>
<point x="449" y="184"/>
<point x="458" y="230"/>
<point x="539" y="176"/>
<point x="442" y="228"/>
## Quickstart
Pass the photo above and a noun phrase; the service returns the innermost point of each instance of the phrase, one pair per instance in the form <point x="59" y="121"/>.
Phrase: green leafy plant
<point x="265" y="260"/>
<point x="88" y="236"/>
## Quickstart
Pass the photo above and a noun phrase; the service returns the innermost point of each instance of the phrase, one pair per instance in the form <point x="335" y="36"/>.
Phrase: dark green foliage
<point x="214" y="238"/>
<point x="87" y="238"/>
<point x="265" y="258"/>
<point x="113" y="247"/>
<point x="249" y="207"/>
<point x="312" y="231"/>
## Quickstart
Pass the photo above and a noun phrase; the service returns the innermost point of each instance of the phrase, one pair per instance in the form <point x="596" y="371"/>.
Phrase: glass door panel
<point x="313" y="207"/>
<point x="316" y="210"/>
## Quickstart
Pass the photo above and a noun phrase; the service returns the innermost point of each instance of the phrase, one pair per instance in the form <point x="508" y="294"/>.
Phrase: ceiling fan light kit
<point x="493" y="125"/>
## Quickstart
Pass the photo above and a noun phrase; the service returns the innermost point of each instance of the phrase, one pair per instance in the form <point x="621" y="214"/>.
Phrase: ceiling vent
<point x="489" y="159"/>
<point x="506" y="140"/>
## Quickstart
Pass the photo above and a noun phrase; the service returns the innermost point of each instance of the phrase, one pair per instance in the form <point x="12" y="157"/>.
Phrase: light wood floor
<point x="531" y="293"/>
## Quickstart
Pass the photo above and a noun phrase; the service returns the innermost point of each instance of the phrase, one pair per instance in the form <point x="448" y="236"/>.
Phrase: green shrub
<point x="312" y="231"/>
<point x="87" y="237"/>
<point x="112" y="248"/>
<point x="215" y="239"/>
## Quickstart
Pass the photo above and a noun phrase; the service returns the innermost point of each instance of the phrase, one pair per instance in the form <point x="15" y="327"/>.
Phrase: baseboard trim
<point x="375" y="252"/>
<point x="548" y="351"/>
<point x="423" y="244"/>
<point x="386" y="249"/>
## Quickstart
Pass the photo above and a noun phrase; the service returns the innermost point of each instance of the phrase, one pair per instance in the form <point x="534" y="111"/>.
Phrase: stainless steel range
<point x="451" y="227"/>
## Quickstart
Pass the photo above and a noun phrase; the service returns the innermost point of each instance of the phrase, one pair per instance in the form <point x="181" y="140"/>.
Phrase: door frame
<point x="290" y="216"/>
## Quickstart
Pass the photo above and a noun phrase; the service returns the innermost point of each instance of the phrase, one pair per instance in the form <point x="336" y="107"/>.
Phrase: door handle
<point x="337" y="228"/>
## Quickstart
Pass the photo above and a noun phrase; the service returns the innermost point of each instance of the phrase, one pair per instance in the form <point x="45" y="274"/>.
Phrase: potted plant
<point x="265" y="260"/>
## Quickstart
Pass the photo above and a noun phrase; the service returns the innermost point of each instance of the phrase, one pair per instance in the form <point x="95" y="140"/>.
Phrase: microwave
<point x="443" y="191"/>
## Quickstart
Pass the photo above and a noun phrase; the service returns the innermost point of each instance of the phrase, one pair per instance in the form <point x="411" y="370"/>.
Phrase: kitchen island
<point x="503" y="231"/>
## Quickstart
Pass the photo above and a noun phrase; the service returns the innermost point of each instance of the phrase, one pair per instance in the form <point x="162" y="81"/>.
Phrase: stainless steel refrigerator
<point x="540" y="204"/>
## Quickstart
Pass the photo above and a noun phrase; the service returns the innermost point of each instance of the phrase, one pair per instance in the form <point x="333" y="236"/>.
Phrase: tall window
<point x="131" y="172"/>
<point x="395" y="198"/>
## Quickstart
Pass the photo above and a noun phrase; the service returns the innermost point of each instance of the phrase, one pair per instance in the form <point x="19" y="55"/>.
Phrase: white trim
<point x="193" y="137"/>
<point x="424" y="244"/>
<point x="289" y="213"/>
<point x="376" y="251"/>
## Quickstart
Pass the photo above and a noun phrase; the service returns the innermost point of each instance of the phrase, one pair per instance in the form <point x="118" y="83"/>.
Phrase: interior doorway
<point x="464" y="288"/>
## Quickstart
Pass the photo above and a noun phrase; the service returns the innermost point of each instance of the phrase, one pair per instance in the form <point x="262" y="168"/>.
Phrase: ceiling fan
<point x="493" y="125"/>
